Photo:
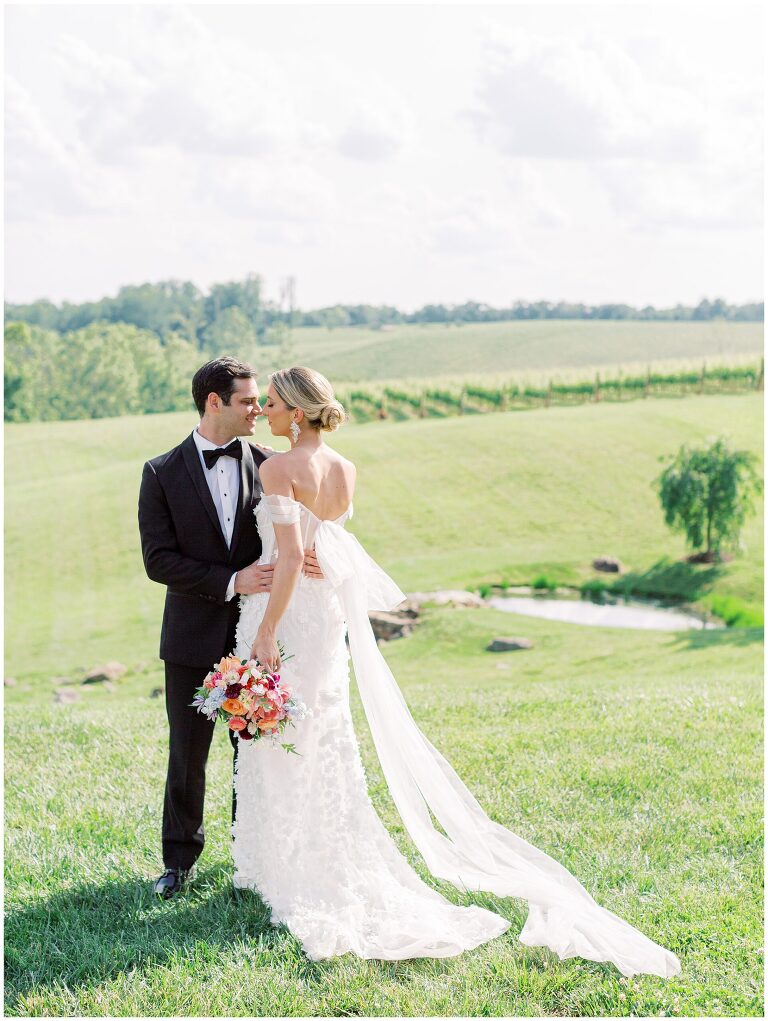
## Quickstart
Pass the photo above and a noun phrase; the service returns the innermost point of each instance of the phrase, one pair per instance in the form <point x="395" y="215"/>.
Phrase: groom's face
<point x="239" y="416"/>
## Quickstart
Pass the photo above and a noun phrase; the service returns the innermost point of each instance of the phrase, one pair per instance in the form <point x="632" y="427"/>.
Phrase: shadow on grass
<point x="89" y="934"/>
<point x="82" y="937"/>
<point x="672" y="580"/>
<point x="736" y="637"/>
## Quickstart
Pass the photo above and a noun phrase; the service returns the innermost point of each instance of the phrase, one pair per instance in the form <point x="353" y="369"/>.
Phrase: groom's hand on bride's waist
<point x="254" y="578"/>
<point x="258" y="577"/>
<point x="311" y="568"/>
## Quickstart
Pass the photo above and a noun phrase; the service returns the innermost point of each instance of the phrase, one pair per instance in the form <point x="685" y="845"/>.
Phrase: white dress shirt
<point x="224" y="484"/>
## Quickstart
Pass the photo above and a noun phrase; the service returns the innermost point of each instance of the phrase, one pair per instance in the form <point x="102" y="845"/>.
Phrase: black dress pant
<point x="190" y="739"/>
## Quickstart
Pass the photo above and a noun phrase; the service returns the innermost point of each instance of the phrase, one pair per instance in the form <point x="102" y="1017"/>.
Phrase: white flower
<point x="215" y="697"/>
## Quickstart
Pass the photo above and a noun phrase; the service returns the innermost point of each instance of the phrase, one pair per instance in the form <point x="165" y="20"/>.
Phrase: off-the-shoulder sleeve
<point x="283" y="510"/>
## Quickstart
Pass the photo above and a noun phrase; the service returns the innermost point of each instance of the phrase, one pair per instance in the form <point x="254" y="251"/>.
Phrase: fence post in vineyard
<point x="759" y="380"/>
<point x="596" y="392"/>
<point x="423" y="405"/>
<point x="647" y="387"/>
<point x="462" y="399"/>
<point x="548" y="398"/>
<point x="504" y="402"/>
<point x="703" y="374"/>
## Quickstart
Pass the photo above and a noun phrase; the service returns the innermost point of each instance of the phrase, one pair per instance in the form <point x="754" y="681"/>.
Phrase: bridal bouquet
<point x="252" y="700"/>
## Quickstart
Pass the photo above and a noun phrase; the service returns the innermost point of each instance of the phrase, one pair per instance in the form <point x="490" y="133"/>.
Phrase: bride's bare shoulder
<point x="276" y="467"/>
<point x="344" y="461"/>
<point x="346" y="467"/>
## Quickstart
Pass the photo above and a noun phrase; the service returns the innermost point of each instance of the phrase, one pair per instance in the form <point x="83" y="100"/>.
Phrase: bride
<point x="307" y="838"/>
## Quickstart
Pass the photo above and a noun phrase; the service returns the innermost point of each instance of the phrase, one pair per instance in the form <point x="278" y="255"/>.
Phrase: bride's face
<point x="278" y="414"/>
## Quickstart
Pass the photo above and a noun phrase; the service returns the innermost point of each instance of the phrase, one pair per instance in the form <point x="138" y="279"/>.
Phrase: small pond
<point x="632" y="613"/>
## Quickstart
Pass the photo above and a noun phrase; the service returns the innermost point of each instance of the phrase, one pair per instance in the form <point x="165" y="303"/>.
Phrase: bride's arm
<point x="276" y="481"/>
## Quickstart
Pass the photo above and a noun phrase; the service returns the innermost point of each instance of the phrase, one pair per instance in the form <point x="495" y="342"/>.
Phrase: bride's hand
<point x="265" y="650"/>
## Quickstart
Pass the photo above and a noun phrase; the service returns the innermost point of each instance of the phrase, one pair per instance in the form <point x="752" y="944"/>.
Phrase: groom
<point x="198" y="537"/>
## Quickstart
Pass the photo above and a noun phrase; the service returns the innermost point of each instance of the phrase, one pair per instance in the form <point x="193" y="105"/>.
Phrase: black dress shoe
<point x="172" y="881"/>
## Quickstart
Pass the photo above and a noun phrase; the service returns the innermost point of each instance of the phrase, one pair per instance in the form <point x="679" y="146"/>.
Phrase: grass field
<point x="435" y="350"/>
<point x="632" y="757"/>
<point x="453" y="502"/>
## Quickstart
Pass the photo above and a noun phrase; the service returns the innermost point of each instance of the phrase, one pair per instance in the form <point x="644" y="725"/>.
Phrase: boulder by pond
<point x="66" y="696"/>
<point x="392" y="624"/>
<point x="508" y="644"/>
<point x="611" y="565"/>
<point x="108" y="672"/>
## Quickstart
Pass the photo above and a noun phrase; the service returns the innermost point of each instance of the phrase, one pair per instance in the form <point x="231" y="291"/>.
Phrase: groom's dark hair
<point x="218" y="377"/>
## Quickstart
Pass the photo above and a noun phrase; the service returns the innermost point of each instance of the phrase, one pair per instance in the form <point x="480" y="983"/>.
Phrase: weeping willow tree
<point x="707" y="493"/>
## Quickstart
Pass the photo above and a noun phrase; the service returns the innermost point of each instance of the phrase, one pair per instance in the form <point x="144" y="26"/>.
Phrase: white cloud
<point x="158" y="140"/>
<point x="651" y="197"/>
<point x="43" y="172"/>
<point x="569" y="98"/>
<point x="377" y="128"/>
<point x="195" y="98"/>
<point x="474" y="224"/>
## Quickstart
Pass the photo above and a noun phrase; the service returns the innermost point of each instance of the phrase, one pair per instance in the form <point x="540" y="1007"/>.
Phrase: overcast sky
<point x="394" y="154"/>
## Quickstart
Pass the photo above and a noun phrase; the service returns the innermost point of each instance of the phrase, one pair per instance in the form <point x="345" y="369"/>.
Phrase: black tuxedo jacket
<point x="184" y="548"/>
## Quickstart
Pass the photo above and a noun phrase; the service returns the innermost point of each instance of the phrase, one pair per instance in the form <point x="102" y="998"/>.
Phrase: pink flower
<point x="209" y="683"/>
<point x="237" y="723"/>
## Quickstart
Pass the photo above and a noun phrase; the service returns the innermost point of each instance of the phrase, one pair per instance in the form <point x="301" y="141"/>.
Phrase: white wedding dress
<point x="307" y="838"/>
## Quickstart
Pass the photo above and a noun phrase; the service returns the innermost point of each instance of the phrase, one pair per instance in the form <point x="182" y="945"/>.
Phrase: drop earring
<point x="295" y="432"/>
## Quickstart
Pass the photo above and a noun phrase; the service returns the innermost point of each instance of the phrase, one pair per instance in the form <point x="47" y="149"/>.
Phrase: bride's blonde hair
<point x="304" y="388"/>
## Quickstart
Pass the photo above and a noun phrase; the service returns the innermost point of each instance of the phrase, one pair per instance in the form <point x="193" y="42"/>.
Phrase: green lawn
<point x="452" y="502"/>
<point x="417" y="351"/>
<point x="635" y="758"/>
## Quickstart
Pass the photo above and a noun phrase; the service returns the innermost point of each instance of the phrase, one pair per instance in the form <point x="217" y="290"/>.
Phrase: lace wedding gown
<point x="307" y="838"/>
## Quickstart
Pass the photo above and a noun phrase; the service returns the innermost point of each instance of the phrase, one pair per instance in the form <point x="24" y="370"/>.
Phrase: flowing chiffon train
<point x="307" y="837"/>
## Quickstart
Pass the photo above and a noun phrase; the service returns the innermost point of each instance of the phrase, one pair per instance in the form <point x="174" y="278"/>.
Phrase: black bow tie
<point x="235" y="449"/>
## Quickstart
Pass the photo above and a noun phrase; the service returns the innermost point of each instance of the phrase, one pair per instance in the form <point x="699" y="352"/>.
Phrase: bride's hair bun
<point x="304" y="388"/>
<point x="332" y="416"/>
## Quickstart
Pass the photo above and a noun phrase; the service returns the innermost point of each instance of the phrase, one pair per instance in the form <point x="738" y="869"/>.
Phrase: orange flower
<point x="229" y="663"/>
<point x="233" y="705"/>
<point x="237" y="723"/>
<point x="265" y="724"/>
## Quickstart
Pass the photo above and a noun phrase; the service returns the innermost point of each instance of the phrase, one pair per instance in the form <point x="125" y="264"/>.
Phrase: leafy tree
<point x="333" y="317"/>
<point x="104" y="369"/>
<point x="707" y="494"/>
<point x="31" y="357"/>
<point x="231" y="332"/>
<point x="97" y="375"/>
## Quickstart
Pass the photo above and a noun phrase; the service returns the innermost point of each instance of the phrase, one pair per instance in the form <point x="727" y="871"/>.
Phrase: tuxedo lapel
<point x="195" y="469"/>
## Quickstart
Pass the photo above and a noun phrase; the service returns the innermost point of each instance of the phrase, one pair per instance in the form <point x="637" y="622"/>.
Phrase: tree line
<point x="99" y="371"/>
<point x="136" y="352"/>
<point x="238" y="309"/>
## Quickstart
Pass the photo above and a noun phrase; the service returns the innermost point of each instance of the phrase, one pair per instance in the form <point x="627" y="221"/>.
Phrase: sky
<point x="398" y="154"/>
